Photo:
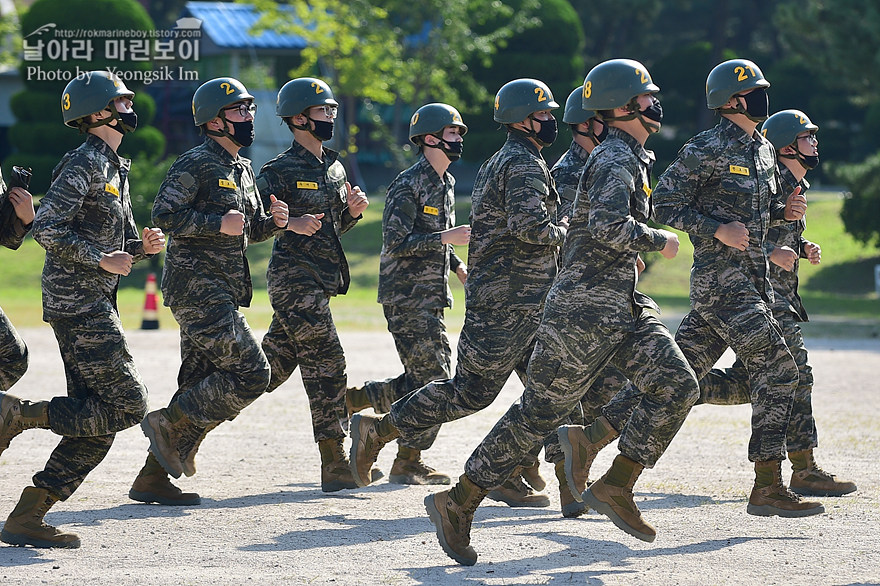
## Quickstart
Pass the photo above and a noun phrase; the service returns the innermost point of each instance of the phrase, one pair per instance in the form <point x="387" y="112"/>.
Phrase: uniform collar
<point x="225" y="156"/>
<point x="423" y="166"/>
<point x="644" y="155"/>
<point x="788" y="178"/>
<point x="307" y="155"/>
<point x="514" y="137"/>
<point x="734" y="132"/>
<point x="102" y="147"/>
<point x="578" y="151"/>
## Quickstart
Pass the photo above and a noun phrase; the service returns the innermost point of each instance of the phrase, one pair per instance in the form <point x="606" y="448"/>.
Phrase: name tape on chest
<point x="226" y="183"/>
<point x="306" y="185"/>
<point x="110" y="188"/>
<point x="431" y="210"/>
<point x="737" y="170"/>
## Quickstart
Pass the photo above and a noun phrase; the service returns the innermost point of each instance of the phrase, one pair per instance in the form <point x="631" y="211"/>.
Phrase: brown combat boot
<point x="164" y="428"/>
<point x="368" y="436"/>
<point x="515" y="493"/>
<point x="17" y="415"/>
<point x="770" y="497"/>
<point x="452" y="513"/>
<point x="570" y="507"/>
<point x="356" y="400"/>
<point x="580" y="445"/>
<point x="335" y="469"/>
<point x="808" y="479"/>
<point x="408" y="468"/>
<point x="532" y="475"/>
<point x="25" y="524"/>
<point x="190" y="440"/>
<point x="612" y="495"/>
<point x="152" y="485"/>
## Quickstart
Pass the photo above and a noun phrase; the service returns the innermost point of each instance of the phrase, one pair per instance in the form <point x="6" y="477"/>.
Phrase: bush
<point x="861" y="211"/>
<point x="145" y="143"/>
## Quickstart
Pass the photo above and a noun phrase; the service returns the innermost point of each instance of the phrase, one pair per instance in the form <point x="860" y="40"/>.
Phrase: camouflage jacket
<point x="512" y="257"/>
<point x="723" y="175"/>
<point x="567" y="173"/>
<point x="202" y="265"/>
<point x="12" y="229"/>
<point x="597" y="282"/>
<point x="85" y="214"/>
<point x="785" y="283"/>
<point x="414" y="265"/>
<point x="308" y="186"/>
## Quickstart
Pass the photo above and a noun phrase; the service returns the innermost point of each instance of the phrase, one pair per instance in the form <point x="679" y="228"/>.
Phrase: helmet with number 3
<point x="732" y="77"/>
<point x="519" y="98"/>
<point x="214" y="95"/>
<point x="614" y="83"/>
<point x="298" y="95"/>
<point x="89" y="93"/>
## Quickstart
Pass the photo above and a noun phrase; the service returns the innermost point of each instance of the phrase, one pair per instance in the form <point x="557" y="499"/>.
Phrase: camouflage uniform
<point x="304" y="272"/>
<point x="593" y="317"/>
<point x="731" y="386"/>
<point x="512" y="261"/>
<point x="414" y="279"/>
<point x="85" y="214"/>
<point x="723" y="175"/>
<point x="13" y="351"/>
<point x="206" y="279"/>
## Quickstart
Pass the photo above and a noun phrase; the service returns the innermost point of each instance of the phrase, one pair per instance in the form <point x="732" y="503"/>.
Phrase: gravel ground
<point x="263" y="518"/>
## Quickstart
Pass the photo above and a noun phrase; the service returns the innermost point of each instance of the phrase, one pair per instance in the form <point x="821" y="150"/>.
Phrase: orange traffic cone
<point x="151" y="309"/>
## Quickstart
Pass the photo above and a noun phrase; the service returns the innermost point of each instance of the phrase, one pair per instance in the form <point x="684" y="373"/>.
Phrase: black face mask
<point x="323" y="130"/>
<point x="757" y="105"/>
<point x="654" y="111"/>
<point x="547" y="133"/>
<point x="809" y="161"/>
<point x="452" y="150"/>
<point x="128" y="121"/>
<point x="244" y="132"/>
<point x="595" y="138"/>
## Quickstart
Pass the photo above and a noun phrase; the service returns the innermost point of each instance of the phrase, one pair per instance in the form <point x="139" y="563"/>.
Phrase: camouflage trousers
<point x="730" y="386"/>
<point x="568" y="360"/>
<point x="13" y="354"/>
<point x="304" y="335"/>
<point x="755" y="336"/>
<point x="493" y="344"/>
<point x="105" y="394"/>
<point x="424" y="349"/>
<point x="222" y="368"/>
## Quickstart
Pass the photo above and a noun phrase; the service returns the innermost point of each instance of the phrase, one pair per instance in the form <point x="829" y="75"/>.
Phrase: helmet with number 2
<point x="519" y="98"/>
<point x="614" y="83"/>
<point x="298" y="95"/>
<point x="732" y="77"/>
<point x="214" y="95"/>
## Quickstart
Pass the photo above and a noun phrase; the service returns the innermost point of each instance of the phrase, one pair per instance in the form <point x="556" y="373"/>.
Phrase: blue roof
<point x="228" y="24"/>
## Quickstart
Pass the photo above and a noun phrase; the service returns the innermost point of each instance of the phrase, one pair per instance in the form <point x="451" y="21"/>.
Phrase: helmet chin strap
<point x="636" y="112"/>
<point x="224" y="132"/>
<point x="740" y="110"/>
<point x="114" y="115"/>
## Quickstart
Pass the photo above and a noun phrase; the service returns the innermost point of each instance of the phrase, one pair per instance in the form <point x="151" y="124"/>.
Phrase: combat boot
<point x="532" y="475"/>
<point x="356" y="399"/>
<point x="808" y="479"/>
<point x="770" y="497"/>
<point x="152" y="485"/>
<point x="581" y="445"/>
<point x="452" y="513"/>
<point x="368" y="436"/>
<point x="570" y="507"/>
<point x="164" y="428"/>
<point x="17" y="415"/>
<point x="612" y="495"/>
<point x="190" y="440"/>
<point x="515" y="493"/>
<point x="25" y="524"/>
<point x="335" y="471"/>
<point x="408" y="468"/>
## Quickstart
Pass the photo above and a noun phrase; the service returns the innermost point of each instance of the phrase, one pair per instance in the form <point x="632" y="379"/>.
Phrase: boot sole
<point x="574" y="510"/>
<point x="537" y="504"/>
<point x="23" y="540"/>
<point x="335" y="486"/>
<point x="149" y="498"/>
<point x="811" y="492"/>
<point x="437" y="521"/>
<point x="151" y="435"/>
<point x="770" y="511"/>
<point x="606" y="510"/>
<point x="417" y="480"/>
<point x="568" y="452"/>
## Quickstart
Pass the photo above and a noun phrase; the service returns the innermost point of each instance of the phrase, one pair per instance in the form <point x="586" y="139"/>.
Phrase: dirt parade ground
<point x="264" y="519"/>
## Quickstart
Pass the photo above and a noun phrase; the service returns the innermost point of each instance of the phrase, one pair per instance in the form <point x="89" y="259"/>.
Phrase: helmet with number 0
<point x="214" y="95"/>
<point x="433" y="118"/>
<point x="518" y="99"/>
<point x="614" y="83"/>
<point x="574" y="109"/>
<point x="732" y="77"/>
<point x="783" y="128"/>
<point x="298" y="95"/>
<point x="88" y="93"/>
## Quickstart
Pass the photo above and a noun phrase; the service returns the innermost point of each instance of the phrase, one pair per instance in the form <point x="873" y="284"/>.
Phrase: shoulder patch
<point x="186" y="180"/>
<point x="537" y="184"/>
<point x="624" y="176"/>
<point x="262" y="183"/>
<point x="691" y="161"/>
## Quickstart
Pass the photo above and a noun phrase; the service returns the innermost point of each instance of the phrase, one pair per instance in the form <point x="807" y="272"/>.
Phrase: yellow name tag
<point x="111" y="189"/>
<point x="647" y="190"/>
<point x="226" y="183"/>
<point x="432" y="211"/>
<point x="737" y="170"/>
<point x="306" y="185"/>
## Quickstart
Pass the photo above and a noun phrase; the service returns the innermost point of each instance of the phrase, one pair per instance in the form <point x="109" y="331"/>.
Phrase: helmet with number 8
<point x="732" y="77"/>
<point x="519" y="98"/>
<point x="614" y="83"/>
<point x="214" y="95"/>
<point x="89" y="93"/>
<point x="298" y="95"/>
<point x="783" y="128"/>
